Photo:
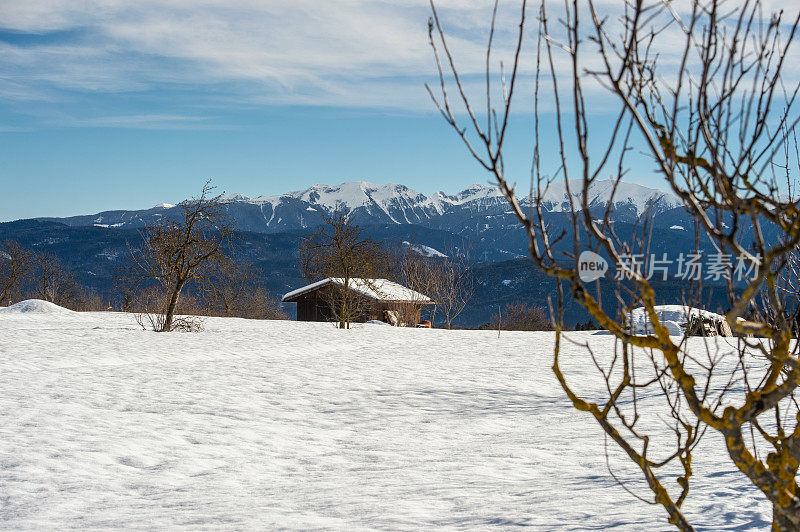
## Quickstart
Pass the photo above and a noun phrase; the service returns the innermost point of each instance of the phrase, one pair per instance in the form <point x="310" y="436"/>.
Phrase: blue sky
<point x="56" y="171"/>
<point x="115" y="104"/>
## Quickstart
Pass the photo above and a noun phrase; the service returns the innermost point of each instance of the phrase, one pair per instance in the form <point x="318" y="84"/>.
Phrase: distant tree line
<point x="520" y="317"/>
<point x="25" y="273"/>
<point x="183" y="267"/>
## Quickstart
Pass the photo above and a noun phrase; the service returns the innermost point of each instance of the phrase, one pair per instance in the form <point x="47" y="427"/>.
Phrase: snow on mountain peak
<point x="478" y="191"/>
<point x="395" y="200"/>
<point x="626" y="193"/>
<point x="351" y="195"/>
<point x="237" y="197"/>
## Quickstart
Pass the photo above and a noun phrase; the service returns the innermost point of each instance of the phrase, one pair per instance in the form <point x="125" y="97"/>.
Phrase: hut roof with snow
<point x="378" y="289"/>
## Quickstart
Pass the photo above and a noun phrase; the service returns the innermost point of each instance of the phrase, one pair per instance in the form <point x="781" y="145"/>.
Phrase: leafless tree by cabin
<point x="454" y="284"/>
<point x="339" y="249"/>
<point x="408" y="267"/>
<point x="177" y="251"/>
<point x="715" y="123"/>
<point x="447" y="280"/>
<point x="261" y="305"/>
<point x="16" y="264"/>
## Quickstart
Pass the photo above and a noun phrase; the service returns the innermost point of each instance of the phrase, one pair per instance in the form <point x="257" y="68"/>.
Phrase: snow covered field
<point x="267" y="424"/>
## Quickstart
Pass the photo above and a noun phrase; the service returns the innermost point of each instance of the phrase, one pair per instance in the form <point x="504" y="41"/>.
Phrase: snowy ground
<point x="265" y="424"/>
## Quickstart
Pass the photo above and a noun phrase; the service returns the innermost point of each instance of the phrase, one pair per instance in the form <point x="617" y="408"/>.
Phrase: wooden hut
<point x="708" y="325"/>
<point x="378" y="299"/>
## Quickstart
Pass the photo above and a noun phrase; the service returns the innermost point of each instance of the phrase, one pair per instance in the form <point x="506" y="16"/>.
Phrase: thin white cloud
<point x="151" y="121"/>
<point x="359" y="53"/>
<point x="13" y="129"/>
<point x="300" y="52"/>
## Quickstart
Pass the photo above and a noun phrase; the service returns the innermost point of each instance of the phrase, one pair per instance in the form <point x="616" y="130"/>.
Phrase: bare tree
<point x="92" y="301"/>
<point x="223" y="291"/>
<point x="790" y="285"/>
<point x="52" y="281"/>
<point x="420" y="274"/>
<point x="338" y="249"/>
<point x="235" y="292"/>
<point x="177" y="251"/>
<point x="446" y="279"/>
<point x="453" y="284"/>
<point x="147" y="306"/>
<point x="259" y="304"/>
<point x="16" y="264"/>
<point x="714" y="120"/>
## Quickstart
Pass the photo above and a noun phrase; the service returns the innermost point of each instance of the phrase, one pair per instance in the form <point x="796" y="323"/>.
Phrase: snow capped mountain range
<point x="390" y="196"/>
<point x="479" y="213"/>
<point x="394" y="203"/>
<point x="630" y="195"/>
<point x="477" y="220"/>
<point x="391" y="202"/>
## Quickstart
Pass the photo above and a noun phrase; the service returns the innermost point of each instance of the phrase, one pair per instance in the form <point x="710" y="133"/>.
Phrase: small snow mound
<point x="37" y="306"/>
<point x="164" y="206"/>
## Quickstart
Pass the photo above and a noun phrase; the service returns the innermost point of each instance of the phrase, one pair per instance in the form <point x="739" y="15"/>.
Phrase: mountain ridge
<point x="388" y="203"/>
<point x="347" y="195"/>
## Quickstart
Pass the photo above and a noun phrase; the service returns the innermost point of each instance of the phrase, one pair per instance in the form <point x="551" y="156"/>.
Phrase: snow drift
<point x="37" y="306"/>
<point x="259" y="425"/>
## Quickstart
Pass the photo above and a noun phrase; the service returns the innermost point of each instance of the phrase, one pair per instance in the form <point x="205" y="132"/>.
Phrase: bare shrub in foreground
<point x="147" y="306"/>
<point x="714" y="119"/>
